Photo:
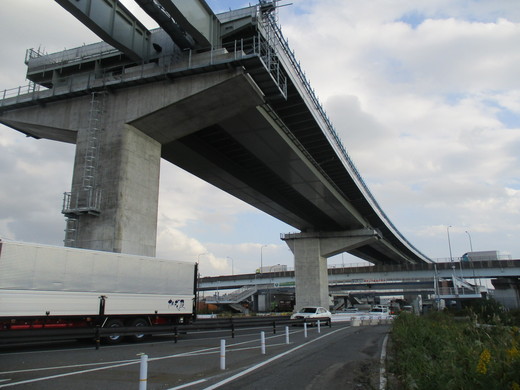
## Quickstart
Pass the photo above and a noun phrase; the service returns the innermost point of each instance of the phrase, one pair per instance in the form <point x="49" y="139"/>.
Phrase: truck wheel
<point x="136" y="323"/>
<point x="114" y="338"/>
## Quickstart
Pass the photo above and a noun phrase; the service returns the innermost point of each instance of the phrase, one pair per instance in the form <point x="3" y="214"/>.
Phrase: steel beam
<point x="114" y="24"/>
<point x="196" y="18"/>
<point x="169" y="25"/>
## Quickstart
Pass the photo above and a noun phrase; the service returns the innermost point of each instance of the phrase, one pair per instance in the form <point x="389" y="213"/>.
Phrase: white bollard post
<point x="143" y="372"/>
<point x="305" y="329"/>
<point x="262" y="342"/>
<point x="222" y="354"/>
<point x="319" y="328"/>
<point x="286" y="335"/>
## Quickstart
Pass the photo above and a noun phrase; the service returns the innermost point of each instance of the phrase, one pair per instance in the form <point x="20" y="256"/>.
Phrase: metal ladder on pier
<point x="86" y="199"/>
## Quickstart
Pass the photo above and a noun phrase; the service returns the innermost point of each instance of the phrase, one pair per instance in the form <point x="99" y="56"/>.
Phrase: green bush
<point x="488" y="311"/>
<point x="437" y="352"/>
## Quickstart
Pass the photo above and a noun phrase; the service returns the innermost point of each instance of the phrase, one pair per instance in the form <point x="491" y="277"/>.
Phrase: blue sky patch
<point x="412" y="18"/>
<point x="509" y="118"/>
<point x="454" y="98"/>
<point x="514" y="184"/>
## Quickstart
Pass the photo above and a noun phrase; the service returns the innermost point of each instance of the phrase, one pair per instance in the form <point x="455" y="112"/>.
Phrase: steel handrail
<point x="11" y="337"/>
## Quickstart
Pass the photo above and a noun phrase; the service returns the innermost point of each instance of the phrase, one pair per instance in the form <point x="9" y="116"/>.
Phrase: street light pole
<point x="436" y="286"/>
<point x="470" y="243"/>
<point x="261" y="258"/>
<point x="199" y="255"/>
<point x="449" y="243"/>
<point x="232" y="266"/>
<point x="451" y="260"/>
<point x="471" y="261"/>
<point x="197" y="298"/>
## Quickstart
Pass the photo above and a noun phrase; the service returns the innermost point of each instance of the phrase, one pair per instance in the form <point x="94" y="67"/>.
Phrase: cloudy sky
<point x="424" y="93"/>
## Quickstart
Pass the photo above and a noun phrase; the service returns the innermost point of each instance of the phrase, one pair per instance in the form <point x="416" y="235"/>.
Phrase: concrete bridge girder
<point x="147" y="107"/>
<point x="55" y="121"/>
<point x="136" y="123"/>
<point x="223" y="96"/>
<point x="311" y="251"/>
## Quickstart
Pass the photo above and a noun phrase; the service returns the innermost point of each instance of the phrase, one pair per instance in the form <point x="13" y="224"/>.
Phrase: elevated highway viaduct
<point x="228" y="103"/>
<point x="408" y="278"/>
<point x="362" y="275"/>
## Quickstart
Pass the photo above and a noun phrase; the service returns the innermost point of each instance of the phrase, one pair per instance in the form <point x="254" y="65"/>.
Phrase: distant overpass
<point x="373" y="275"/>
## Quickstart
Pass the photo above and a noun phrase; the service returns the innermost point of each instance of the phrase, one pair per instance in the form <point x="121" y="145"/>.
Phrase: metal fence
<point x="97" y="334"/>
<point x="190" y="62"/>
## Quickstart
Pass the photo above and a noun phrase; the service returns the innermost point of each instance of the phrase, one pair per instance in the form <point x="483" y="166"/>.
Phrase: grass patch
<point x="437" y="351"/>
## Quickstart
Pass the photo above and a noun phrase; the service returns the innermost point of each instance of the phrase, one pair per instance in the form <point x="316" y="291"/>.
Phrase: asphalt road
<point x="340" y="357"/>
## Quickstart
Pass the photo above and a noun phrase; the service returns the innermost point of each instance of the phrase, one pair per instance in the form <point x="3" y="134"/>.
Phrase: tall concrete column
<point x="311" y="251"/>
<point x="310" y="271"/>
<point x="128" y="179"/>
<point x="135" y="123"/>
<point x="507" y="292"/>
<point x="132" y="127"/>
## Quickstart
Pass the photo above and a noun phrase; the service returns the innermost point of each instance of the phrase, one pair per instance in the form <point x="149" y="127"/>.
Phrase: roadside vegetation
<point x="477" y="349"/>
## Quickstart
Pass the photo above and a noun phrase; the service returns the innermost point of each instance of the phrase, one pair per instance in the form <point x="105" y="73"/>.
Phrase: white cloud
<point x="184" y="198"/>
<point x="220" y="258"/>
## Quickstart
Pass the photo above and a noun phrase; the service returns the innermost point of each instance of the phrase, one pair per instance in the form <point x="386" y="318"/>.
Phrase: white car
<point x="379" y="310"/>
<point x="314" y="312"/>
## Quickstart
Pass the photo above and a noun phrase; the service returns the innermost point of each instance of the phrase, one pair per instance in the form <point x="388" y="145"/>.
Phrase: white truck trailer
<point x="55" y="287"/>
<point x="481" y="256"/>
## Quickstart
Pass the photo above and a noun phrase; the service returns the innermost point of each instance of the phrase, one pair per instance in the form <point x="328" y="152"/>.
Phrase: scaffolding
<point x="266" y="42"/>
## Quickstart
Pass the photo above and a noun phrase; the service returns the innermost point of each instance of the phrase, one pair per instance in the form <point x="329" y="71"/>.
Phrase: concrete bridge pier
<point x="311" y="250"/>
<point x="121" y="135"/>
<point x="127" y="178"/>
<point x="507" y="291"/>
<point x="112" y="203"/>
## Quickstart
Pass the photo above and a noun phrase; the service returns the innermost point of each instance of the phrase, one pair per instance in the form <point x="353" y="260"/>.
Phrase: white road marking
<point x="382" y="376"/>
<point x="66" y="374"/>
<point x="259" y="365"/>
<point x="188" y="384"/>
<point x="62" y="367"/>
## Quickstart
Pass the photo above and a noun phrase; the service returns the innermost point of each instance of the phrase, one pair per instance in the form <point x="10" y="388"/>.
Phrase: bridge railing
<point x="30" y="88"/>
<point x="39" y="61"/>
<point x="351" y="265"/>
<point x="451" y="291"/>
<point x="235" y="296"/>
<point x="439" y="266"/>
<point x="166" y="66"/>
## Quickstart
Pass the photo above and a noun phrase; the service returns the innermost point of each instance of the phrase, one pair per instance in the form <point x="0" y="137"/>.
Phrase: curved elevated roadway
<point x="281" y="154"/>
